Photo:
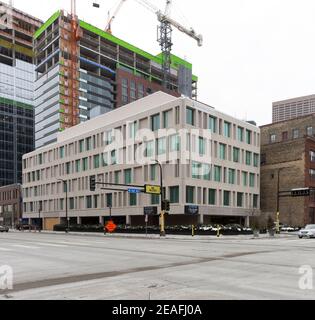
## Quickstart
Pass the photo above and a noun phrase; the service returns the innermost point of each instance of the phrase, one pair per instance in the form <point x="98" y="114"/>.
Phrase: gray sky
<point x="255" y="51"/>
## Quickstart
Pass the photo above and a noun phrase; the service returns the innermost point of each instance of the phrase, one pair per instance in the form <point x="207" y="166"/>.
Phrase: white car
<point x="308" y="231"/>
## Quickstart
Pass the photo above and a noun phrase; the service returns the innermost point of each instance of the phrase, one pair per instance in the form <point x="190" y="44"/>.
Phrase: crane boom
<point x="113" y="17"/>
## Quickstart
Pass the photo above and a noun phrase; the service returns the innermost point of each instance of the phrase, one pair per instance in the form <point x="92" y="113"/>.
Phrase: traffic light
<point x="303" y="192"/>
<point x="92" y="184"/>
<point x="166" y="205"/>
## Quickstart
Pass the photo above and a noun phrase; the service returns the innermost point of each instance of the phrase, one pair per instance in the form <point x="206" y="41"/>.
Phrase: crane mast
<point x="164" y="34"/>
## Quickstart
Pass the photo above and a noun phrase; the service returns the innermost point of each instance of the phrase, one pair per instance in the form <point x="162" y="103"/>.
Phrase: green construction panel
<point x="48" y="23"/>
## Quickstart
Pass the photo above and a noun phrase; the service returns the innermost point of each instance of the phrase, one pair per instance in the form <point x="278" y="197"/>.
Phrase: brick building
<point x="10" y="205"/>
<point x="288" y="154"/>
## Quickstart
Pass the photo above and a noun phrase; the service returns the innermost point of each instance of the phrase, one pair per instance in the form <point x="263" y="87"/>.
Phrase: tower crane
<point x="164" y="33"/>
<point x="112" y="18"/>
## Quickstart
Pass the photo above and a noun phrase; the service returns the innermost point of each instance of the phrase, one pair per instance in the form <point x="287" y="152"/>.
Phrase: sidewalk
<point x="156" y="236"/>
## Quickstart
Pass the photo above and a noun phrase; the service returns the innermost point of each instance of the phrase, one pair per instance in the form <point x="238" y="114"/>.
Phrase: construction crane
<point x="112" y="18"/>
<point x="164" y="33"/>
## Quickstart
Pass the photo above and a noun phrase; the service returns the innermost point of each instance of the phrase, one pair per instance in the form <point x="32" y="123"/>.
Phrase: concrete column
<point x="128" y="220"/>
<point x="247" y="222"/>
<point x="102" y="221"/>
<point x="201" y="219"/>
<point x="79" y="220"/>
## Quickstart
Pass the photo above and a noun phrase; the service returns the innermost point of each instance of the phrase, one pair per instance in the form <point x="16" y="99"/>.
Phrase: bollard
<point x="218" y="232"/>
<point x="192" y="230"/>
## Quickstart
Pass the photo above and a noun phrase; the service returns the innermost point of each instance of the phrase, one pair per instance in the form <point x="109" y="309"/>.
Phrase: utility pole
<point x="65" y="184"/>
<point x="162" y="231"/>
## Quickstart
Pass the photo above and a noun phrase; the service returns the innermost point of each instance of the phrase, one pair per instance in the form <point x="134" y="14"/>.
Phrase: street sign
<point x="111" y="226"/>
<point x="152" y="189"/>
<point x="192" y="210"/>
<point x="302" y="192"/>
<point x="134" y="190"/>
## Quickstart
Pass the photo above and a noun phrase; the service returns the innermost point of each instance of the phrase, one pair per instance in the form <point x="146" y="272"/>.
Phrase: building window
<point x="71" y="203"/>
<point x="155" y="199"/>
<point x="117" y="177"/>
<point x="236" y="154"/>
<point x="256" y="160"/>
<point x="62" y="152"/>
<point x="217" y="174"/>
<point x="149" y="150"/>
<point x="245" y="177"/>
<point x="240" y="134"/>
<point x="295" y="133"/>
<point x="309" y="131"/>
<point x="312" y="156"/>
<point x="140" y="90"/>
<point x="226" y="198"/>
<point x="196" y="170"/>
<point x="113" y="157"/>
<point x="240" y="197"/>
<point x="161" y="146"/>
<point x="190" y="194"/>
<point x="177" y="115"/>
<point x="85" y="164"/>
<point x="174" y="143"/>
<point x="212" y="124"/>
<point x="273" y="138"/>
<point x="153" y="172"/>
<point x="166" y="119"/>
<point x="174" y="194"/>
<point x="248" y="158"/>
<point x="202" y="146"/>
<point x="222" y="151"/>
<point x="96" y="161"/>
<point x="155" y="122"/>
<point x="312" y="173"/>
<point x="78" y="166"/>
<point x="88" y="144"/>
<point x="133" y="91"/>
<point x="133" y="128"/>
<point x="285" y="136"/>
<point x="212" y="197"/>
<point x="255" y="201"/>
<point x="109" y="200"/>
<point x="128" y="178"/>
<point x="40" y="158"/>
<point x="190" y="116"/>
<point x="248" y="137"/>
<point x="133" y="199"/>
<point x="252" y="180"/>
<point x="81" y="146"/>
<point x="68" y="167"/>
<point x="206" y="172"/>
<point x="231" y="176"/>
<point x="124" y="96"/>
<point x="89" y="202"/>
<point x="227" y="129"/>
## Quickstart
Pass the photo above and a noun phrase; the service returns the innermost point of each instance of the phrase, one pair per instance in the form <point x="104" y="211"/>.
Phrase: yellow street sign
<point x="152" y="189"/>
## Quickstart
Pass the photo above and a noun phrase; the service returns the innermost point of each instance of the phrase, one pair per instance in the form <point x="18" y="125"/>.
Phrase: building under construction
<point x="83" y="72"/>
<point x="16" y="91"/>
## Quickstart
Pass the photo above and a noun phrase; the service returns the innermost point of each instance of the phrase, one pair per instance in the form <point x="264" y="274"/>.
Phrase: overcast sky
<point x="255" y="51"/>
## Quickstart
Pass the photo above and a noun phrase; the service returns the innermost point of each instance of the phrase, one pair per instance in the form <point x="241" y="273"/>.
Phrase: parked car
<point x="4" y="229"/>
<point x="308" y="231"/>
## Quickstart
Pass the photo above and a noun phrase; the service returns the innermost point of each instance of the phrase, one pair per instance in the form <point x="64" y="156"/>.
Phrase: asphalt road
<point x="54" y="267"/>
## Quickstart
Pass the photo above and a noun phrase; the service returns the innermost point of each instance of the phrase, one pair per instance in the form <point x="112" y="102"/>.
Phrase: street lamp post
<point x="67" y="218"/>
<point x="278" y="201"/>
<point x="162" y="233"/>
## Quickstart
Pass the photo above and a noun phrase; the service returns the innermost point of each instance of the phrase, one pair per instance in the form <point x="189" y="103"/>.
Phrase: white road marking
<point x="5" y="249"/>
<point x="52" y="245"/>
<point x="24" y="247"/>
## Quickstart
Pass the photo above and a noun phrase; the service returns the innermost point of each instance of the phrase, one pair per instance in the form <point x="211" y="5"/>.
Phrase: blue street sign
<point x="134" y="190"/>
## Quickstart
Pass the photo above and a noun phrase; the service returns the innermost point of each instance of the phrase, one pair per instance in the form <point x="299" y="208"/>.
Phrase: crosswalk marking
<point x="24" y="247"/>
